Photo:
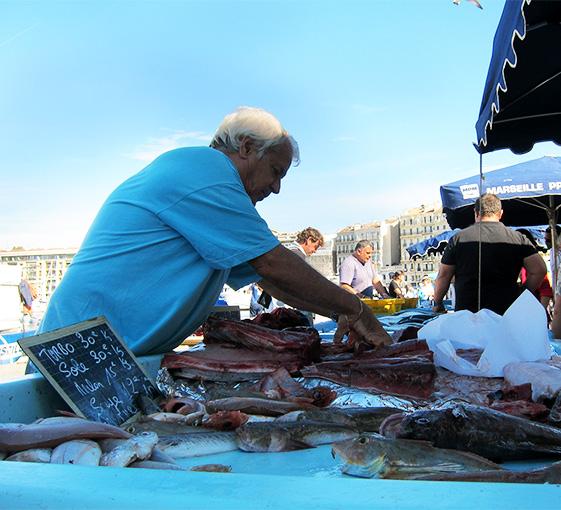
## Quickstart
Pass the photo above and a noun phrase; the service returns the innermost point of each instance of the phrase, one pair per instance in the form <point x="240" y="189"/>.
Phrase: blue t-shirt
<point x="161" y="249"/>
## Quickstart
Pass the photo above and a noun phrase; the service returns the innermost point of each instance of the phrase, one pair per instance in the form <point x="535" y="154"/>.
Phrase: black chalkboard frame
<point x="53" y="336"/>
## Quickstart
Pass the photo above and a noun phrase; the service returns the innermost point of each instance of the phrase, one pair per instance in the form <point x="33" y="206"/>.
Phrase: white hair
<point x="255" y="123"/>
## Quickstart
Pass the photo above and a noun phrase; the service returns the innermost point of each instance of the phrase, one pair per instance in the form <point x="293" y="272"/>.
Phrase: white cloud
<point x="156" y="146"/>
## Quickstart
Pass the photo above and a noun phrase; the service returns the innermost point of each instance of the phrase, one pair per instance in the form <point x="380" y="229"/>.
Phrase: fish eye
<point x="363" y="440"/>
<point x="422" y="421"/>
<point x="130" y="429"/>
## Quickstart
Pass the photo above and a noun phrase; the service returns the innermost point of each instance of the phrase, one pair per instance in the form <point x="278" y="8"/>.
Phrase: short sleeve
<point x="221" y="224"/>
<point x="449" y="255"/>
<point x="242" y="275"/>
<point x="346" y="272"/>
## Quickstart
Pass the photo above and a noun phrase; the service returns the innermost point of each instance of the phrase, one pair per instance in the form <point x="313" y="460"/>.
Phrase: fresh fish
<point x="225" y="420"/>
<point x="51" y="432"/>
<point x="549" y="474"/>
<point x="363" y="419"/>
<point x="486" y="432"/>
<point x="287" y="436"/>
<point x="190" y="419"/>
<point x="373" y="455"/>
<point x="84" y="452"/>
<point x="136" y="448"/>
<point x="213" y="468"/>
<point x="249" y="405"/>
<point x="329" y="415"/>
<point x="154" y="464"/>
<point x="161" y="428"/>
<point x="33" y="455"/>
<point x="159" y="456"/>
<point x="181" y="446"/>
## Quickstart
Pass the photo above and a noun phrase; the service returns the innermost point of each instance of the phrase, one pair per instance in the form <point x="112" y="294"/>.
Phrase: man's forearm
<point x="441" y="286"/>
<point x="302" y="286"/>
<point x="380" y="289"/>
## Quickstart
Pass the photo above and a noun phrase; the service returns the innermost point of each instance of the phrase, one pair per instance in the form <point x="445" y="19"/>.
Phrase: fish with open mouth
<point x="373" y="455"/>
<point x="486" y="432"/>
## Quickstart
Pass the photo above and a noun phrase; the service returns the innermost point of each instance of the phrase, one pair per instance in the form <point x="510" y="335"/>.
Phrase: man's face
<point x="264" y="175"/>
<point x="364" y="254"/>
<point x="310" y="246"/>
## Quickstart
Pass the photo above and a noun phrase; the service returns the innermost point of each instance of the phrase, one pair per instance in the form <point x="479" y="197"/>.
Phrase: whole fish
<point x="82" y="452"/>
<point x="33" y="455"/>
<point x="136" y="448"/>
<point x="486" y="432"/>
<point x="161" y="428"/>
<point x="181" y="446"/>
<point x="549" y="474"/>
<point x="363" y="419"/>
<point x="286" y="436"/>
<point x="374" y="455"/>
<point x="261" y="406"/>
<point x="51" y="432"/>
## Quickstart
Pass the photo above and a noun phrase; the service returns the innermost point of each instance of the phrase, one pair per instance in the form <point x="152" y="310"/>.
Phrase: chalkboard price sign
<point x="92" y="369"/>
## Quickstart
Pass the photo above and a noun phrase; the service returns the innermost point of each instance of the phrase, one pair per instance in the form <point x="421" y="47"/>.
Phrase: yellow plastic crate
<point x="409" y="303"/>
<point x="383" y="306"/>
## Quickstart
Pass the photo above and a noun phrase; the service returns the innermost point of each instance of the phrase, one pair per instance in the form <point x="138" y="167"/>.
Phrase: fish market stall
<point x="244" y="468"/>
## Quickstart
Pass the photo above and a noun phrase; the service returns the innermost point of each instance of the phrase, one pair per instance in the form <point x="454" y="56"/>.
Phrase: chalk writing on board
<point x="92" y="369"/>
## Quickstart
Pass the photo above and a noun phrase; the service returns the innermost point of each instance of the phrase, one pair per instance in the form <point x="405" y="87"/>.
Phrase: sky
<point x="382" y="97"/>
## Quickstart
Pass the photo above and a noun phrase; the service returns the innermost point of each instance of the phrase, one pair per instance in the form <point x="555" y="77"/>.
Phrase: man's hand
<point x="363" y="328"/>
<point x="438" y="308"/>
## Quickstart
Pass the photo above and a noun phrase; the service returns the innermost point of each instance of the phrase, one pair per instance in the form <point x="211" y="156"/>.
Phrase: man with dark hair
<point x="503" y="254"/>
<point x="357" y="275"/>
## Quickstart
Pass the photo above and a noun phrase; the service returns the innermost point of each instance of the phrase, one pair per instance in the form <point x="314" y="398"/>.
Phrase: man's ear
<point x="246" y="147"/>
<point x="501" y="214"/>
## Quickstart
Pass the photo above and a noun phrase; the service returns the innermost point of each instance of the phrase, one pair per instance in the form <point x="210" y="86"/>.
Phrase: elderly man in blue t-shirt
<point x="167" y="239"/>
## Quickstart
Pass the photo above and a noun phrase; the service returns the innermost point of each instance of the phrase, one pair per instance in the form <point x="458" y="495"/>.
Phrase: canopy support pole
<point x="479" y="228"/>
<point x="552" y="220"/>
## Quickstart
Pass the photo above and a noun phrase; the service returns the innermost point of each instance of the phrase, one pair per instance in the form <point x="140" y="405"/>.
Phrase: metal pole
<point x="479" y="227"/>
<point x="552" y="219"/>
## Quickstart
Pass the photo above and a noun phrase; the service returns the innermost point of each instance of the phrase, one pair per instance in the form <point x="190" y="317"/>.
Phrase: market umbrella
<point x="521" y="102"/>
<point x="438" y="243"/>
<point x="431" y="245"/>
<point x="530" y="193"/>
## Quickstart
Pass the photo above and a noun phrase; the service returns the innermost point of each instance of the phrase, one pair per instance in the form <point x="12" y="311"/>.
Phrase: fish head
<point x="363" y="456"/>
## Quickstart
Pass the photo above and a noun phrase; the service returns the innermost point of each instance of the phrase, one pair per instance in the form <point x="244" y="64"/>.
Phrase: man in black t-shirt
<point x="503" y="254"/>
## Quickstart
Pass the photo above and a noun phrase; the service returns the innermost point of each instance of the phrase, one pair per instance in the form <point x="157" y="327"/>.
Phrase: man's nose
<point x="276" y="186"/>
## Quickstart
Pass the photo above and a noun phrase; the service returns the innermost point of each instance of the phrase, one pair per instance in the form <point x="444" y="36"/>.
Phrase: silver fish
<point x="51" y="432"/>
<point x="181" y="446"/>
<point x="287" y="436"/>
<point x="33" y="455"/>
<point x="373" y="455"/>
<point x="136" y="448"/>
<point x="84" y="452"/>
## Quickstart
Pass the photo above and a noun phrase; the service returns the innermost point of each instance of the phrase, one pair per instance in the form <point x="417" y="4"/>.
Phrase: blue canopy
<point x="530" y="192"/>
<point x="438" y="243"/>
<point x="521" y="102"/>
<point x="431" y="245"/>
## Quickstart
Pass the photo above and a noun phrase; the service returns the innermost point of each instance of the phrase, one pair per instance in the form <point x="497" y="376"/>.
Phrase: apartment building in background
<point x="44" y="269"/>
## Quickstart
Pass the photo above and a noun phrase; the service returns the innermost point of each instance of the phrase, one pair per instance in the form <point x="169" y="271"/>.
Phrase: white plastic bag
<point x="519" y="335"/>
